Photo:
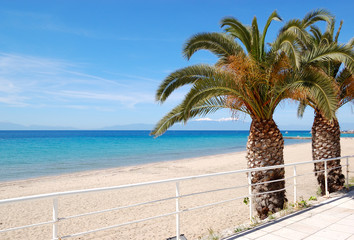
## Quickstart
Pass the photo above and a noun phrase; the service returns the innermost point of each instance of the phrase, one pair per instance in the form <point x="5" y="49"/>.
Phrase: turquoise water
<point x="28" y="154"/>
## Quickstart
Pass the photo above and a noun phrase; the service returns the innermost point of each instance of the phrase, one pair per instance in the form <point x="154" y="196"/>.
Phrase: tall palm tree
<point x="251" y="80"/>
<point x="326" y="132"/>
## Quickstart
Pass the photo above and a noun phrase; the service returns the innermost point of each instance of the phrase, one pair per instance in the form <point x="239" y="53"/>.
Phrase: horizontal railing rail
<point x="177" y="197"/>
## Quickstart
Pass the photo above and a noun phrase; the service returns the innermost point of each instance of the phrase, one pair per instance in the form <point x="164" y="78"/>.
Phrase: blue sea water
<point x="28" y="154"/>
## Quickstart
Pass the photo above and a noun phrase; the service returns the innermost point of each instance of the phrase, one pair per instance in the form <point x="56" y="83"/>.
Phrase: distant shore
<point x="348" y="132"/>
<point x="194" y="224"/>
<point x="297" y="137"/>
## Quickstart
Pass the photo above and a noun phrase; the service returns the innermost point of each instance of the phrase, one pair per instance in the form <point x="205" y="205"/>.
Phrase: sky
<point x="92" y="64"/>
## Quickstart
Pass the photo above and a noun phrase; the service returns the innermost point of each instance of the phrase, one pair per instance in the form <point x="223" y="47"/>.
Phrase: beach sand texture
<point x="194" y="224"/>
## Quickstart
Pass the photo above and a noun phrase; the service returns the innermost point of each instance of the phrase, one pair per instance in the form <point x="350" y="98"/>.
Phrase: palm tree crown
<point x="253" y="81"/>
<point x="337" y="71"/>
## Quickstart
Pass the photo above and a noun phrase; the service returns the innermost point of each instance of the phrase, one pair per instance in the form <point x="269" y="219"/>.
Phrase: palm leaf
<point x="301" y="109"/>
<point x="274" y="16"/>
<point x="319" y="88"/>
<point x="341" y="53"/>
<point x="351" y="42"/>
<point x="238" y="30"/>
<point x="182" y="77"/>
<point x="345" y="82"/>
<point x="255" y="51"/>
<point x="288" y="43"/>
<point x="220" y="44"/>
<point x="315" y="16"/>
<point x="338" y="31"/>
<point x="317" y="34"/>
<point x="178" y="114"/>
<point x="295" y="27"/>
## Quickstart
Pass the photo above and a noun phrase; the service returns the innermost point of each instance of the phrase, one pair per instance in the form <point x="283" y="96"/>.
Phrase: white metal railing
<point x="56" y="219"/>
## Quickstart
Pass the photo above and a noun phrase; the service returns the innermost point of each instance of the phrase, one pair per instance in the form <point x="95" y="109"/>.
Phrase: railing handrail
<point x="57" y="194"/>
<point x="56" y="219"/>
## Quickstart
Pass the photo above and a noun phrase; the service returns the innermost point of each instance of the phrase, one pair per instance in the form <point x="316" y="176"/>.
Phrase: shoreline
<point x="220" y="217"/>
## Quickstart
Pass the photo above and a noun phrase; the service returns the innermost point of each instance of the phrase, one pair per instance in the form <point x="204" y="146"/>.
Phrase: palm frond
<point x="255" y="50"/>
<point x="345" y="83"/>
<point x="330" y="27"/>
<point x="317" y="34"/>
<point x="301" y="109"/>
<point x="182" y="77"/>
<point x="224" y="83"/>
<point x="220" y="44"/>
<point x="351" y="42"/>
<point x="315" y="16"/>
<point x="326" y="39"/>
<point x="273" y="17"/>
<point x="287" y="42"/>
<point x="295" y="27"/>
<point x="174" y="116"/>
<point x="341" y="53"/>
<point x="298" y="27"/>
<point x="220" y="84"/>
<point x="319" y="89"/>
<point x="338" y="31"/>
<point x="178" y="114"/>
<point x="238" y="30"/>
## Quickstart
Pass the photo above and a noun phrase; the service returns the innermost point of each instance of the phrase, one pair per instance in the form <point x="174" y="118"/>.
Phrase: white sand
<point x="194" y="224"/>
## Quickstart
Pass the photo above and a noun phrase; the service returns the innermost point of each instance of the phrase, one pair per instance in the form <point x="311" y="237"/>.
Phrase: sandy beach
<point x="194" y="224"/>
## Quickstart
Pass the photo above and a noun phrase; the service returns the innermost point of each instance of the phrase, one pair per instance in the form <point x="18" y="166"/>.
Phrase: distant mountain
<point x="11" y="126"/>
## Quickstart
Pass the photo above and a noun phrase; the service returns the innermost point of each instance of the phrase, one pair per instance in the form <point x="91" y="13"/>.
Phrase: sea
<point x="31" y="154"/>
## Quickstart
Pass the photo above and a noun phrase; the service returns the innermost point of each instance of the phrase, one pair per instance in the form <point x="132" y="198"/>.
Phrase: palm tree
<point x="253" y="80"/>
<point x="326" y="132"/>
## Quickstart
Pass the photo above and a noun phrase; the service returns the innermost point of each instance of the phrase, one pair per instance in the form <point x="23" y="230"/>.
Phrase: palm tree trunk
<point x="265" y="148"/>
<point x="326" y="144"/>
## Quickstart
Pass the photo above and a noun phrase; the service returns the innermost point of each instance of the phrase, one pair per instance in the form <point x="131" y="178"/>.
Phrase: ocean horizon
<point x="35" y="153"/>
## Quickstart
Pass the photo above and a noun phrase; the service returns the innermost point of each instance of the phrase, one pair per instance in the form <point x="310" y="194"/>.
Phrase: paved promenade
<point x="331" y="219"/>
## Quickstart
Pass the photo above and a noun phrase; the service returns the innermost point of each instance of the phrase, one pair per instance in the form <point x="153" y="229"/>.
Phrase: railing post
<point x="55" y="218"/>
<point x="326" y="179"/>
<point x="347" y="177"/>
<point x="295" y="197"/>
<point x="177" y="210"/>
<point x="250" y="195"/>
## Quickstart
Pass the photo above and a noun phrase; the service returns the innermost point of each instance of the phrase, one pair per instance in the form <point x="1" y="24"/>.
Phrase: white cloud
<point x="203" y="119"/>
<point x="215" y="120"/>
<point x="227" y="119"/>
<point x="15" y="101"/>
<point x="7" y="86"/>
<point x="35" y="81"/>
<point x="129" y="100"/>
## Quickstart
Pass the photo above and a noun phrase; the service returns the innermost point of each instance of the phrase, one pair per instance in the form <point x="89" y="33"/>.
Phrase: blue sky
<point x="92" y="64"/>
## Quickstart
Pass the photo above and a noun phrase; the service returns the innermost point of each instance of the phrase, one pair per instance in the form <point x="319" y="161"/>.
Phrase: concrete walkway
<point x="331" y="219"/>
